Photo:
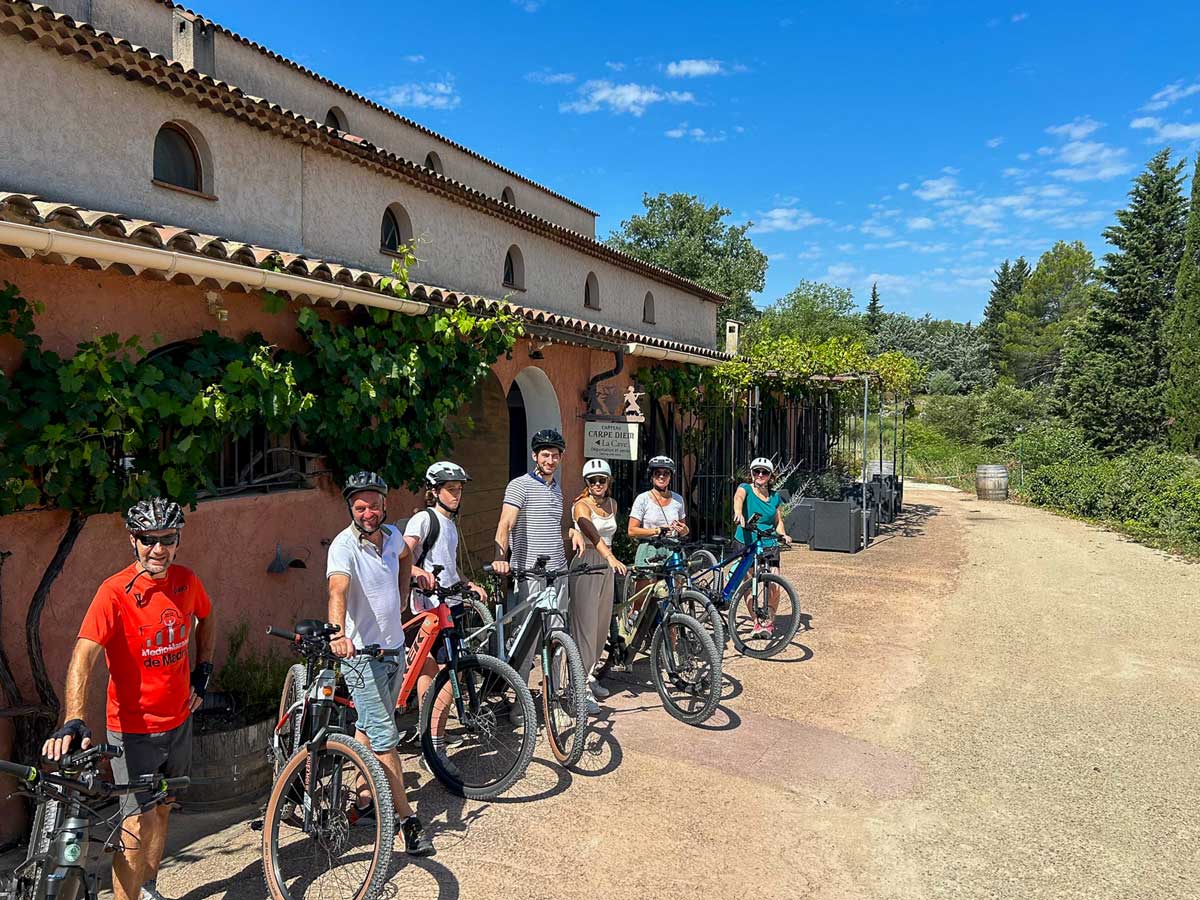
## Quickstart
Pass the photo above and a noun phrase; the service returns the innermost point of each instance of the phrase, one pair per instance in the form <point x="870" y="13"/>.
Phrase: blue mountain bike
<point x="761" y="610"/>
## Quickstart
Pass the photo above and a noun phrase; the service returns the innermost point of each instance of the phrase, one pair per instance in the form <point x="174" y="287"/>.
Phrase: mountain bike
<point x="315" y="839"/>
<point x="545" y="629"/>
<point x="73" y="810"/>
<point x="762" y="613"/>
<point x="685" y="662"/>
<point x="486" y="747"/>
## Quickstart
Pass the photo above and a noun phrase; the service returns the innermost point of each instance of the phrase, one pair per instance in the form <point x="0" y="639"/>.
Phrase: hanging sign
<point x="610" y="440"/>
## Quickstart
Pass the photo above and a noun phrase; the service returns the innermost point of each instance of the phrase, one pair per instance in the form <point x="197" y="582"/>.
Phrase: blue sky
<point x="913" y="144"/>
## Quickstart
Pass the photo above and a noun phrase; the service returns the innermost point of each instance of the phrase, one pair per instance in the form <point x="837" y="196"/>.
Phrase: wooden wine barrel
<point x="229" y="767"/>
<point x="991" y="482"/>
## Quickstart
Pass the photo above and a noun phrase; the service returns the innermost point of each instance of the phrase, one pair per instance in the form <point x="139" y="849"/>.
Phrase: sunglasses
<point x="149" y="540"/>
<point x="758" y="472"/>
<point x="661" y="473"/>
<point x="598" y="479"/>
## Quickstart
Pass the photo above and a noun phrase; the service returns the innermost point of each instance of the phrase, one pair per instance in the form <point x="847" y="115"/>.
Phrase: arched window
<point x="514" y="268"/>
<point x="591" y="292"/>
<point x="507" y="196"/>
<point x="395" y="231"/>
<point x="335" y="118"/>
<point x="177" y="159"/>
<point x="648" y="309"/>
<point x="434" y="162"/>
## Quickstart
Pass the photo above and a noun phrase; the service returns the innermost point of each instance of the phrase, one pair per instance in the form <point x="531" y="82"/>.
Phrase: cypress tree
<point x="1009" y="281"/>
<point x="1114" y="366"/>
<point x="874" y="311"/>
<point x="1183" y="337"/>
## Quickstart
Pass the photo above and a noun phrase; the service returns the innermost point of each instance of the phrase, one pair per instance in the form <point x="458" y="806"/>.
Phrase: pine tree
<point x="874" y="311"/>
<point x="1010" y="279"/>
<point x="1182" y="335"/>
<point x="1114" y="366"/>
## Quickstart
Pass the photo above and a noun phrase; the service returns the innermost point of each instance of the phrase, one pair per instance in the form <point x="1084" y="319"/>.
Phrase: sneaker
<point x="768" y="628"/>
<point x="416" y="842"/>
<point x="598" y="690"/>
<point x="358" y="815"/>
<point x="593" y="707"/>
<point x="150" y="892"/>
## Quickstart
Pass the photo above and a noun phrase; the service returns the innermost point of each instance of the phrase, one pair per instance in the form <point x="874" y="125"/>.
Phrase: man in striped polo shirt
<point x="531" y="523"/>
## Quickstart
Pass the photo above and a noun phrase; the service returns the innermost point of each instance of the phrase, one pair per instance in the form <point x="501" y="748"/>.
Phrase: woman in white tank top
<point x="595" y="515"/>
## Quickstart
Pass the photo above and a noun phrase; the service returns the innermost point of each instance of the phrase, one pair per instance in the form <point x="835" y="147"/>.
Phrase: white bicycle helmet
<point x="596" y="467"/>
<point x="443" y="471"/>
<point x="762" y="462"/>
<point x="661" y="462"/>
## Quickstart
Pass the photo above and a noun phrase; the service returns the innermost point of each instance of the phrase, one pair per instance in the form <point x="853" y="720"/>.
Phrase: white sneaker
<point x="593" y="707"/>
<point x="149" y="891"/>
<point x="598" y="690"/>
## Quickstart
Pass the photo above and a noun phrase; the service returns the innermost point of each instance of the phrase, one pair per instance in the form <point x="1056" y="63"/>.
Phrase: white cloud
<point x="845" y="248"/>
<point x="699" y="135"/>
<point x="950" y="170"/>
<point x="1045" y="151"/>
<point x="786" y="218"/>
<point x="1172" y="93"/>
<point x="616" y="66"/>
<point x="1019" y="17"/>
<point x="530" y="6"/>
<point x="1024" y="157"/>
<point x="875" y="229"/>
<point x="1091" y="161"/>
<point x="995" y="142"/>
<point x="776" y="257"/>
<point x="1013" y="172"/>
<point x="547" y="77"/>
<point x="839" y="272"/>
<point x="1077" y="129"/>
<point x="694" y="68"/>
<point x="920" y="223"/>
<point x="423" y="95"/>
<point x="1167" y="131"/>
<point x="622" y="98"/>
<point x="903" y="186"/>
<point x="414" y="58"/>
<point x="937" y="190"/>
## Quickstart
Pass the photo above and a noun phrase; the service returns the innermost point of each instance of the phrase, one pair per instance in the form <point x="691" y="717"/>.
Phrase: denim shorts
<point x="374" y="686"/>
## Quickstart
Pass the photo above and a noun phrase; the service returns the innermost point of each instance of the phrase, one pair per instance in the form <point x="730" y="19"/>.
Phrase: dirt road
<point x="991" y="702"/>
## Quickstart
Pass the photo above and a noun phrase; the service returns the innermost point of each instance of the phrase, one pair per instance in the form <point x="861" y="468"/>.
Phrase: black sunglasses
<point x="761" y="472"/>
<point x="149" y="540"/>
<point x="598" y="479"/>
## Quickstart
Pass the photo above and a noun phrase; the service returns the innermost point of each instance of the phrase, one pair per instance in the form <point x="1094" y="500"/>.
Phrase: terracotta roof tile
<point x="39" y="24"/>
<point x="29" y="209"/>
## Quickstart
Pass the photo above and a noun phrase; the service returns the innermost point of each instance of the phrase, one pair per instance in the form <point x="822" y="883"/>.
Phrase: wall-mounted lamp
<point x="536" y="348"/>
<point x="215" y="309"/>
<point x="284" y="560"/>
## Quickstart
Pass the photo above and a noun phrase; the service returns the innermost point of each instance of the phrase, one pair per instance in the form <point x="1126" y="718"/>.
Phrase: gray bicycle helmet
<point x="661" y="462"/>
<point x="443" y="471"/>
<point x="157" y="514"/>
<point x="548" y="437"/>
<point x="364" y="481"/>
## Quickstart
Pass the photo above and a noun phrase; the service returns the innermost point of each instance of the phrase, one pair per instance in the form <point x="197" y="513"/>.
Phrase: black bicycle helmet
<point x="363" y="481"/>
<point x="548" y="437"/>
<point x="157" y="514"/>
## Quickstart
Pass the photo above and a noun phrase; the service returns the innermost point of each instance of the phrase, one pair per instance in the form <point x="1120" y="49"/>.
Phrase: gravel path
<point x="991" y="702"/>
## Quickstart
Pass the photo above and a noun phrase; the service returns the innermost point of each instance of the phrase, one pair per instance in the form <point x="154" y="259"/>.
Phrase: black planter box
<point x="799" y="522"/>
<point x="837" y="526"/>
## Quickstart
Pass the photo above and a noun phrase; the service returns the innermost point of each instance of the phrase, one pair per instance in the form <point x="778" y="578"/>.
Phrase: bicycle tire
<point x="742" y="618"/>
<point x="689" y="678"/>
<point x="566" y="743"/>
<point x="295" y="683"/>
<point x="700" y="567"/>
<point x="498" y="691"/>
<point x="700" y="607"/>
<point x="478" y="616"/>
<point x="338" y="812"/>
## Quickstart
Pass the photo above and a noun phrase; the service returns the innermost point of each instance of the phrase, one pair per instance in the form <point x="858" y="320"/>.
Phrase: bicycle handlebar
<point x="18" y="771"/>
<point x="283" y="633"/>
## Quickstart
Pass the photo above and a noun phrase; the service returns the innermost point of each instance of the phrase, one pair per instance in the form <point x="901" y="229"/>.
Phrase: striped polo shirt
<point x="538" y="531"/>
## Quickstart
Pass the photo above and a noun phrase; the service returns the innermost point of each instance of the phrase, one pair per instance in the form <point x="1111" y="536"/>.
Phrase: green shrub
<point x="942" y="382"/>
<point x="954" y="416"/>
<point x="254" y="679"/>
<point x="1005" y="409"/>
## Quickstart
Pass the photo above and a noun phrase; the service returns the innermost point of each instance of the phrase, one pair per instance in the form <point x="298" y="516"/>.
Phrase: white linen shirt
<point x="373" y="610"/>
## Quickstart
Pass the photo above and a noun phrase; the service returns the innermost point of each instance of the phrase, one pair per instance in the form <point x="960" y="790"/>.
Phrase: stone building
<point x="150" y="164"/>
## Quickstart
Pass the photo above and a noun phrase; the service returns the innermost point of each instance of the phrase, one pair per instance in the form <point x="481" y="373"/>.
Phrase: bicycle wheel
<point x="701" y="608"/>
<point x="294" y="685"/>
<point x="489" y="744"/>
<point x="564" y="698"/>
<point x="341" y="855"/>
<point x="686" y="669"/>
<point x="759" y="626"/>
<point x="700" y="566"/>
<point x="476" y="617"/>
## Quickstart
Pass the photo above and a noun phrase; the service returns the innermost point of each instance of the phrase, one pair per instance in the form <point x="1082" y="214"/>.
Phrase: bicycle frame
<point x="441" y="622"/>
<point x="544" y="616"/>
<point x="749" y="560"/>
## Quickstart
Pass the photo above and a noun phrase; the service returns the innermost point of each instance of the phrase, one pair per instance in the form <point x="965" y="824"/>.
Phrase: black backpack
<point x="435" y="531"/>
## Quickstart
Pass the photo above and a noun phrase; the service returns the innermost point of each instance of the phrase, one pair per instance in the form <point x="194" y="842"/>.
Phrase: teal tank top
<point x="767" y="512"/>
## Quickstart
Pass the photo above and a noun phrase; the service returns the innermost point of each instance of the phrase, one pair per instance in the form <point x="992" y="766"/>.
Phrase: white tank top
<point x="606" y="526"/>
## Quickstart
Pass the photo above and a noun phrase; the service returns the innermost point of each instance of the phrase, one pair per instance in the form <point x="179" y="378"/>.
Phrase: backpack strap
<point x="431" y="538"/>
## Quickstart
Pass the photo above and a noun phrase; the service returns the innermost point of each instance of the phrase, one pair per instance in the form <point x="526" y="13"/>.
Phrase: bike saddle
<point x="310" y="627"/>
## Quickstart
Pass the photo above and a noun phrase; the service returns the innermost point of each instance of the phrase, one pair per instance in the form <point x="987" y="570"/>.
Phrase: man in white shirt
<point x="369" y="572"/>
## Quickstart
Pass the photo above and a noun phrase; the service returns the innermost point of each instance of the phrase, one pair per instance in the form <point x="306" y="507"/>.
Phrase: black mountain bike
<point x="315" y="841"/>
<point x="75" y="824"/>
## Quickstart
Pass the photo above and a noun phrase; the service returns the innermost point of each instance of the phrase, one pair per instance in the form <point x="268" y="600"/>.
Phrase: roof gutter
<point x="682" y="356"/>
<point x="170" y="262"/>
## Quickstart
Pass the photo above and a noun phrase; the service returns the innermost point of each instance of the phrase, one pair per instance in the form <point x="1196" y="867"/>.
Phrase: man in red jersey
<point x="142" y="620"/>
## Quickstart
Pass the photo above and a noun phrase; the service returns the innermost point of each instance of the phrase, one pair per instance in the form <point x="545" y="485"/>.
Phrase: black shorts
<point x="166" y="753"/>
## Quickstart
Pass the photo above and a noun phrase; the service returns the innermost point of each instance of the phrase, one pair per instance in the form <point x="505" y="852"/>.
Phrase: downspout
<point x="171" y="262"/>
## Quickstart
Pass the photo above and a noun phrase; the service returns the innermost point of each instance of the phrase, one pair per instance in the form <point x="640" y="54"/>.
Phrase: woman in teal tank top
<point x="757" y="498"/>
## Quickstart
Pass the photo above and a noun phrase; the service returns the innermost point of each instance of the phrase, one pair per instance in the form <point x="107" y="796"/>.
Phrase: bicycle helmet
<point x="763" y="463"/>
<point x="157" y="514"/>
<point x="548" y="437"/>
<point x="661" y="462"/>
<point x="443" y="471"/>
<point x="595" y="467"/>
<point x="364" y="481"/>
